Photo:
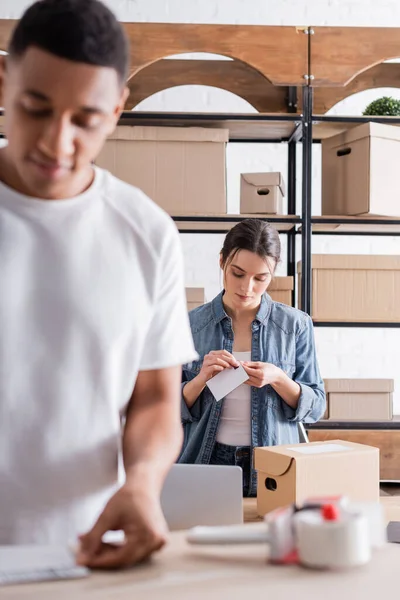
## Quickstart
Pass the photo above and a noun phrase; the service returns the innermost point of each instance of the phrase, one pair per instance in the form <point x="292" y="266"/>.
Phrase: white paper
<point x="322" y="449"/>
<point x="25" y="563"/>
<point x="227" y="381"/>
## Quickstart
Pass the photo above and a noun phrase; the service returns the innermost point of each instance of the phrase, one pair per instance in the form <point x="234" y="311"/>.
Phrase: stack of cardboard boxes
<point x="355" y="288"/>
<point x="359" y="399"/>
<point x="181" y="168"/>
<point x="360" y="171"/>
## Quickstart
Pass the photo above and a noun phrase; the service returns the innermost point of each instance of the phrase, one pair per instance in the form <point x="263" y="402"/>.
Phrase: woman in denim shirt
<point x="275" y="345"/>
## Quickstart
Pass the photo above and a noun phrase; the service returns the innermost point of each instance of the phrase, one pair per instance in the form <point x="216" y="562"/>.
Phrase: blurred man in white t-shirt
<point x="93" y="322"/>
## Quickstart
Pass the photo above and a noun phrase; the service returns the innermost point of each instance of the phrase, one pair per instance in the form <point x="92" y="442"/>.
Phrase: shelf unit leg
<point x="291" y="236"/>
<point x="306" y="274"/>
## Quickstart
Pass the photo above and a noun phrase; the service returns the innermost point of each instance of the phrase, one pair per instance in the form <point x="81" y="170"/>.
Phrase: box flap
<point x="316" y="450"/>
<point x="170" y="134"/>
<point x="354" y="261"/>
<point x="194" y="294"/>
<point x="380" y="130"/>
<point x="281" y="283"/>
<point x="266" y="460"/>
<point x="359" y="385"/>
<point x="265" y="179"/>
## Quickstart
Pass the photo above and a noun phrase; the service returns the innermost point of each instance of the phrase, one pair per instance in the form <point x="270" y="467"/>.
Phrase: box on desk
<point x="385" y="436"/>
<point x="280" y="289"/>
<point x="359" y="399"/>
<point x="357" y="288"/>
<point x="194" y="297"/>
<point x="360" y="171"/>
<point x="181" y="168"/>
<point x="261" y="193"/>
<point x="296" y="472"/>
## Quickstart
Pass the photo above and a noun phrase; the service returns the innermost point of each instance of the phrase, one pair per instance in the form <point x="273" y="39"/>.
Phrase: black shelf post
<point x="291" y="177"/>
<point x="306" y="290"/>
<point x="291" y="237"/>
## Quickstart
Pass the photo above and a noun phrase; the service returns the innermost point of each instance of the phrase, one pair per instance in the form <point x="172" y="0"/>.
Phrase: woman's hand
<point x="214" y="362"/>
<point x="261" y="374"/>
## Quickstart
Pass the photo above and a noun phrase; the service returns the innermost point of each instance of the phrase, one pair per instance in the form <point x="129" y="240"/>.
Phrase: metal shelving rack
<point x="244" y="128"/>
<point x="382" y="223"/>
<point x="297" y="73"/>
<point x="292" y="76"/>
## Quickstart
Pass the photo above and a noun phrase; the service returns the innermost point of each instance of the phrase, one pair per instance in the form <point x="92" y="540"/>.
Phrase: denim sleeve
<point x="188" y="415"/>
<point x="312" y="401"/>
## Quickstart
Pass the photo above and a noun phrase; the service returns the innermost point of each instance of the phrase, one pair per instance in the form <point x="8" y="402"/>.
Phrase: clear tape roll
<point x="334" y="544"/>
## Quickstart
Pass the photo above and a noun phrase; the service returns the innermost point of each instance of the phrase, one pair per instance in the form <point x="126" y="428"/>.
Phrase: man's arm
<point x="151" y="443"/>
<point x="153" y="432"/>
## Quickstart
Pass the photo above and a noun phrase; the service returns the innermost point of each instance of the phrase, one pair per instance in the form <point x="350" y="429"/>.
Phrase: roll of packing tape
<point x="336" y="544"/>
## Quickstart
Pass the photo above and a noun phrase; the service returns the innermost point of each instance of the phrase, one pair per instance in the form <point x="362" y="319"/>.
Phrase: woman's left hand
<point x="261" y="373"/>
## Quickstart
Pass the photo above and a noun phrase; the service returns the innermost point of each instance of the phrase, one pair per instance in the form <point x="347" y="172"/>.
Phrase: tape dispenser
<point x="322" y="533"/>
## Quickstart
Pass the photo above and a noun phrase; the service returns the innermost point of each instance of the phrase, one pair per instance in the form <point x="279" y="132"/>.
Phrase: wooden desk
<point x="183" y="572"/>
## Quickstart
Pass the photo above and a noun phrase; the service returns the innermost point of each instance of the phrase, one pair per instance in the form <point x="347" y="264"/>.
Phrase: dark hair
<point x="83" y="31"/>
<point x="253" y="235"/>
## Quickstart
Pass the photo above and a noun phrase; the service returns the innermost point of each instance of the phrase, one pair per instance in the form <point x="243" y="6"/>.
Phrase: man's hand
<point x="138" y="513"/>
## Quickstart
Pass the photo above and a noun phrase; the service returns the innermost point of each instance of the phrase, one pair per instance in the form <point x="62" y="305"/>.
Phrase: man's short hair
<point x="84" y="31"/>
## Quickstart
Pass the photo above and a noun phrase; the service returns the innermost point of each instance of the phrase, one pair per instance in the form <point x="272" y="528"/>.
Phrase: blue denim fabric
<point x="239" y="456"/>
<point x="281" y="335"/>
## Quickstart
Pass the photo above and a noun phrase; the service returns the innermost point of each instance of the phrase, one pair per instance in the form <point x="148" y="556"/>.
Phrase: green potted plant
<point x="385" y="106"/>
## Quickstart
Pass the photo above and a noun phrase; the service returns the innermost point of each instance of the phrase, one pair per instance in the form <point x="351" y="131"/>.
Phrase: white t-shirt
<point x="234" y="424"/>
<point x="91" y="293"/>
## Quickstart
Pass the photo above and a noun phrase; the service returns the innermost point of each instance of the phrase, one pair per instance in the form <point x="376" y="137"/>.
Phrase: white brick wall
<point x="342" y="352"/>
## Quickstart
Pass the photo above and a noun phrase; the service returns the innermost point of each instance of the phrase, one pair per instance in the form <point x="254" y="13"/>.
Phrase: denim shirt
<point x="282" y="336"/>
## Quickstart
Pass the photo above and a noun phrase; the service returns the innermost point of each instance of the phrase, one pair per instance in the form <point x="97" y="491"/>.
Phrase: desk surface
<point x="183" y="572"/>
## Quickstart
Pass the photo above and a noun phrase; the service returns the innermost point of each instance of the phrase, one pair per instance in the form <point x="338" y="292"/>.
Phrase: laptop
<point x="202" y="495"/>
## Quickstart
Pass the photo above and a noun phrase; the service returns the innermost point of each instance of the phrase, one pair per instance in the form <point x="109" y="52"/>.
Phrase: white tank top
<point x="234" y="425"/>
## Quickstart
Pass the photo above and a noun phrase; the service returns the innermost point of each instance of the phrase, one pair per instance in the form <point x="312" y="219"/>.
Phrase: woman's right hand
<point x="214" y="362"/>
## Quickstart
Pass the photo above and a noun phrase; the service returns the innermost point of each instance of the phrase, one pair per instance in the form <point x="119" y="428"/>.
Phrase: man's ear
<point x="118" y="109"/>
<point x="121" y="104"/>
<point x="124" y="97"/>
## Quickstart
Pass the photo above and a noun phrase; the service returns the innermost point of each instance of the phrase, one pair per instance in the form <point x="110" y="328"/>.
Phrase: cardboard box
<point x="280" y="289"/>
<point x="359" y="399"/>
<point x="261" y="193"/>
<point x="296" y="472"/>
<point x="360" y="171"/>
<point x="194" y="297"/>
<point x="357" y="288"/>
<point x="180" y="168"/>
<point x="387" y="440"/>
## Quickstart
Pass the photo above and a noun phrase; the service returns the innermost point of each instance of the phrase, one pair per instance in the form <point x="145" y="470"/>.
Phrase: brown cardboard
<point x="344" y="386"/>
<point x="387" y="440"/>
<point x="357" y="288"/>
<point x="359" y="399"/>
<point x="302" y="471"/>
<point x="181" y="168"/>
<point x="360" y="171"/>
<point x="360" y="407"/>
<point x="194" y="297"/>
<point x="280" y="289"/>
<point x="261" y="193"/>
<point x="195" y="294"/>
